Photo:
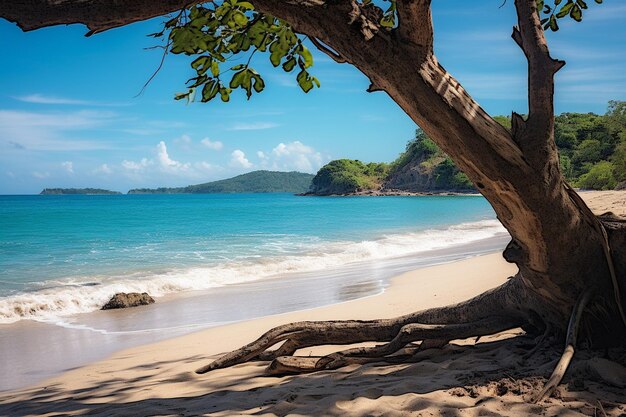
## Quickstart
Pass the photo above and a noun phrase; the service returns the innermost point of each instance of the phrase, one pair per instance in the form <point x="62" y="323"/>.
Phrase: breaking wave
<point x="63" y="297"/>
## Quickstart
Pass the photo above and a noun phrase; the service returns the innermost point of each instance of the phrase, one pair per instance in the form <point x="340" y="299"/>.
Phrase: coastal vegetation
<point x="592" y="155"/>
<point x="252" y="182"/>
<point x="74" y="191"/>
<point x="571" y="263"/>
<point x="344" y="176"/>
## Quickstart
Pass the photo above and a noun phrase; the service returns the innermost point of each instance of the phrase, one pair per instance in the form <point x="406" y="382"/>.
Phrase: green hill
<point x="592" y="150"/>
<point x="422" y="167"/>
<point x="345" y="176"/>
<point x="252" y="182"/>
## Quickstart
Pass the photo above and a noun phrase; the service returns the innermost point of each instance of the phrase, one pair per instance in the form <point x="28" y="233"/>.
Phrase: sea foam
<point x="60" y="298"/>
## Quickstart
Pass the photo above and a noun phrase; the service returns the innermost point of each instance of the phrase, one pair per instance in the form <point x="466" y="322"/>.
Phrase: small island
<point x="252" y="182"/>
<point x="77" y="191"/>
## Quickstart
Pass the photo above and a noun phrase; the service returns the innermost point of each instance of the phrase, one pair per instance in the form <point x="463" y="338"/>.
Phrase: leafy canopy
<point x="218" y="33"/>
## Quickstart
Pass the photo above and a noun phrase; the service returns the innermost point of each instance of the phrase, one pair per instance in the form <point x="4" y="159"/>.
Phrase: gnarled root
<point x="381" y="353"/>
<point x="568" y="353"/>
<point x="485" y="314"/>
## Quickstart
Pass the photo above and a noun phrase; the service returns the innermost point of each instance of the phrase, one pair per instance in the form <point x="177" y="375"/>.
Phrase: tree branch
<point x="97" y="15"/>
<point x="530" y="37"/>
<point x="325" y="49"/>
<point x="416" y="23"/>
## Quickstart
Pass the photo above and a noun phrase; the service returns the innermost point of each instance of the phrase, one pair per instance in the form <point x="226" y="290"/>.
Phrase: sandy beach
<point x="463" y="379"/>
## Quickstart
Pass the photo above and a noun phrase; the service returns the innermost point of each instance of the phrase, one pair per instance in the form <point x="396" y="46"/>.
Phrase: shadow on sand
<point x="490" y="378"/>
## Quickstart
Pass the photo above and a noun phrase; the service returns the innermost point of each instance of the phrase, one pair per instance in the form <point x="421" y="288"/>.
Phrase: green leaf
<point x="237" y="79"/>
<point x="209" y="91"/>
<point x="289" y="65"/>
<point x="225" y="94"/>
<point x="277" y="52"/>
<point x="259" y="84"/>
<point x="245" y="5"/>
<point x="540" y="5"/>
<point x="576" y="13"/>
<point x="305" y="81"/>
<point x="306" y="56"/>
<point x="215" y="68"/>
<point x="554" y="26"/>
<point x="240" y="18"/>
<point x="180" y="96"/>
<point x="388" y="22"/>
<point x="565" y="10"/>
<point x="582" y="4"/>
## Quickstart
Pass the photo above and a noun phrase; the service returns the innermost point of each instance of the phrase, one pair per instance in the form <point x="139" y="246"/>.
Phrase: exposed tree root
<point x="381" y="353"/>
<point x="568" y="354"/>
<point x="485" y="314"/>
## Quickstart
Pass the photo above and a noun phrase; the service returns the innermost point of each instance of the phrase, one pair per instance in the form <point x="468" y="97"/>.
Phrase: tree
<point x="572" y="264"/>
<point x="600" y="177"/>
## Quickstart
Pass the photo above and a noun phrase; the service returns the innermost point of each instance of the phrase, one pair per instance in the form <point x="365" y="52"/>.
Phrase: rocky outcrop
<point x="125" y="300"/>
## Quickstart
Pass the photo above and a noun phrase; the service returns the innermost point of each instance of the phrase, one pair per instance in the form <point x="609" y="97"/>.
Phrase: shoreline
<point x="437" y="285"/>
<point x="397" y="193"/>
<point x="35" y="350"/>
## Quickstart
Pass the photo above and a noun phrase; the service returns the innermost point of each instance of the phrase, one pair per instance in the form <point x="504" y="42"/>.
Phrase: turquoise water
<point x="62" y="255"/>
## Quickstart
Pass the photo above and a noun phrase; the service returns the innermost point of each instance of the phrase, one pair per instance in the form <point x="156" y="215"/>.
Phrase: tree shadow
<point x="492" y="377"/>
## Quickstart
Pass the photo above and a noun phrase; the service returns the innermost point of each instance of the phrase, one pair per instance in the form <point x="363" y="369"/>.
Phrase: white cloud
<point x="142" y="132"/>
<point x="261" y="154"/>
<point x="136" y="166"/>
<point x="68" y="166"/>
<point x="166" y="162"/>
<point x="184" y="141"/>
<point x="238" y="160"/>
<point x="205" y="167"/>
<point x="213" y="145"/>
<point x="294" y="156"/>
<point x="253" y="126"/>
<point x="163" y="168"/>
<point x="42" y="99"/>
<point x="55" y="100"/>
<point x="104" y="169"/>
<point x="40" y="175"/>
<point x="44" y="131"/>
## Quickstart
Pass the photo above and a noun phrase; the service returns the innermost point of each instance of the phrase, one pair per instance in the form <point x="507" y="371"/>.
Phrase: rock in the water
<point x="125" y="300"/>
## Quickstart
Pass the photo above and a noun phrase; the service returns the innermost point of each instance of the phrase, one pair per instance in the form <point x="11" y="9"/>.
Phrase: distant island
<point x="75" y="191"/>
<point x="252" y="182"/>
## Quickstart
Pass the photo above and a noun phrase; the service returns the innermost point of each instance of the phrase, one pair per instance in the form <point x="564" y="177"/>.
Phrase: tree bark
<point x="559" y="246"/>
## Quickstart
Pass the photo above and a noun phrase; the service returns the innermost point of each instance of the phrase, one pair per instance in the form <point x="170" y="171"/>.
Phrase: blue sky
<point x="70" y="115"/>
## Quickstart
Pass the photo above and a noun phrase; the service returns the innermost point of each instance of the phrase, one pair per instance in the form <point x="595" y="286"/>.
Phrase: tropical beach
<point x="313" y="208"/>
<point x="465" y="377"/>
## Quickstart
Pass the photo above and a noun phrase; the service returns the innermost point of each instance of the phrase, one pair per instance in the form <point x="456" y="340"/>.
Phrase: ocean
<point x="62" y="255"/>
